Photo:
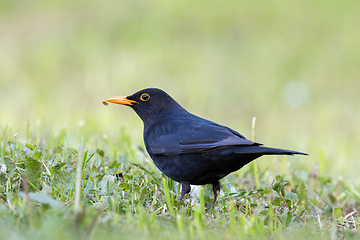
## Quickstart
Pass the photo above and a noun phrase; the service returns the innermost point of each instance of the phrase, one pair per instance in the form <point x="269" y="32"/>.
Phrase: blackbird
<point x="187" y="148"/>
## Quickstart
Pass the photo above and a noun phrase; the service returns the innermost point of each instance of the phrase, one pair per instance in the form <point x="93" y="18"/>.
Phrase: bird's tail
<point x="255" y="149"/>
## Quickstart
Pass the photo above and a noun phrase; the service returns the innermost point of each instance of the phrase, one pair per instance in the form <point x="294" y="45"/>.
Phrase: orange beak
<point x="121" y="100"/>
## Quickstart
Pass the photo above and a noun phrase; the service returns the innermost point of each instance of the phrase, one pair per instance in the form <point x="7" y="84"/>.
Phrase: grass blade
<point x="79" y="177"/>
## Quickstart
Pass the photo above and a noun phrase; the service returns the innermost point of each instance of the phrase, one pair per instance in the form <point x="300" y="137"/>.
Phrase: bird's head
<point x="148" y="103"/>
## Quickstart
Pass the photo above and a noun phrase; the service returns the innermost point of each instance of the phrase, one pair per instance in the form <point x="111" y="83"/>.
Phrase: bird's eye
<point x="144" y="97"/>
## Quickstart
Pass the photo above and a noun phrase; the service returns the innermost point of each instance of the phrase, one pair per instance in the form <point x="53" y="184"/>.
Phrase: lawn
<point x="72" y="168"/>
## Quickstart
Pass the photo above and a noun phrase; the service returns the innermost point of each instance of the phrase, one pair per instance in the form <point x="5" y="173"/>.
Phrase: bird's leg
<point x="216" y="190"/>
<point x="185" y="189"/>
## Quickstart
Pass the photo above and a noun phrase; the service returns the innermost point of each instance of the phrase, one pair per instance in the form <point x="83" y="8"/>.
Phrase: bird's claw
<point x="181" y="197"/>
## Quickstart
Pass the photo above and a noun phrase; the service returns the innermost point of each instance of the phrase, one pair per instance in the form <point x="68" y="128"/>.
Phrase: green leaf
<point x="302" y="192"/>
<point x="337" y="213"/>
<point x="287" y="218"/>
<point x="124" y="186"/>
<point x="42" y="198"/>
<point x="276" y="201"/>
<point x="57" y="167"/>
<point x="100" y="152"/>
<point x="28" y="145"/>
<point x="33" y="173"/>
<point x="37" y="155"/>
<point x="64" y="177"/>
<point x="291" y="196"/>
<point x="10" y="164"/>
<point x="279" y="185"/>
<point x="85" y="154"/>
<point x="127" y="177"/>
<point x="107" y="184"/>
<point x="89" y="158"/>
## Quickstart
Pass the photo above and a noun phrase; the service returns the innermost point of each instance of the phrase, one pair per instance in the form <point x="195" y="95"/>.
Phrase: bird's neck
<point x="165" y="115"/>
<point x="149" y="118"/>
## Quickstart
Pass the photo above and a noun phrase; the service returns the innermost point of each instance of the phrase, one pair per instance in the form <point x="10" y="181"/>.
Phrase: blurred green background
<point x="293" y="65"/>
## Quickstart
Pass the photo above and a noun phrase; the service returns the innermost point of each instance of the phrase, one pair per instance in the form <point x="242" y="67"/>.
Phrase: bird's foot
<point x="215" y="198"/>
<point x="216" y="190"/>
<point x="181" y="197"/>
<point x="185" y="189"/>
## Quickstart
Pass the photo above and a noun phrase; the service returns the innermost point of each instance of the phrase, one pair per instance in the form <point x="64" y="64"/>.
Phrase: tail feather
<point x="256" y="149"/>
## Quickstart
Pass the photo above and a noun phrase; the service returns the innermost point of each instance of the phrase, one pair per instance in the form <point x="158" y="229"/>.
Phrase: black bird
<point x="187" y="148"/>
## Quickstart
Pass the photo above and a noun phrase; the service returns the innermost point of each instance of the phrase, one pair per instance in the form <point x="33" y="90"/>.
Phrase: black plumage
<point x="187" y="148"/>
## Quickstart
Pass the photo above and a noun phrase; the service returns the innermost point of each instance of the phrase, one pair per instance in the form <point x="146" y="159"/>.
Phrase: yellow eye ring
<point x="144" y="97"/>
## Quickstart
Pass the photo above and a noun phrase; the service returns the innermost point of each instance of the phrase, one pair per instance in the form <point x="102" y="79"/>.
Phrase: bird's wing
<point x="193" y="137"/>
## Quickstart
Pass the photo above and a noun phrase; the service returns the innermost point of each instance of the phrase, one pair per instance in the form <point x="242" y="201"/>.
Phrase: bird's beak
<point x="121" y="100"/>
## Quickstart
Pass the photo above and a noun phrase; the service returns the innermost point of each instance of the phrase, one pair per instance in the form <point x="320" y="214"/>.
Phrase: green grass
<point x="53" y="190"/>
<point x="293" y="65"/>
